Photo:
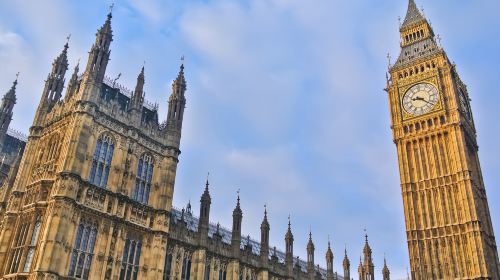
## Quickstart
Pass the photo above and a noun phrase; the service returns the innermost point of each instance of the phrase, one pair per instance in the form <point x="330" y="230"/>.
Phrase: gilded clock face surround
<point x="420" y="99"/>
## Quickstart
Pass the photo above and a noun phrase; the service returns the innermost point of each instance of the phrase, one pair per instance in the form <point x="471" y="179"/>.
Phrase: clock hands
<point x="417" y="98"/>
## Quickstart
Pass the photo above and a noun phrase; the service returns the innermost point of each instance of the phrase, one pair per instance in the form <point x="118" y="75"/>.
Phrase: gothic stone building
<point x="448" y="223"/>
<point x="91" y="196"/>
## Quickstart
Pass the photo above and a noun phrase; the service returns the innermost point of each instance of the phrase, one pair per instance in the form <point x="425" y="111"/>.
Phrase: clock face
<point x="420" y="99"/>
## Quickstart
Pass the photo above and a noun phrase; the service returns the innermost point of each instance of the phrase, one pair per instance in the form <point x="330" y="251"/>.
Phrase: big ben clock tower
<point x="448" y="224"/>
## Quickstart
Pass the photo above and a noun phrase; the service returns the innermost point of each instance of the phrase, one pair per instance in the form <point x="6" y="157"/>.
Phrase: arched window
<point x="168" y="267"/>
<point x="130" y="260"/>
<point x="101" y="162"/>
<point x="143" y="179"/>
<point x="32" y="246"/>
<point x="83" y="250"/>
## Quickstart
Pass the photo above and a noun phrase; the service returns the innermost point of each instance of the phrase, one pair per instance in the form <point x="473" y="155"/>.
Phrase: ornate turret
<point x="137" y="98"/>
<point x="99" y="53"/>
<point x="361" y="270"/>
<point x="386" y="274"/>
<point x="329" y="262"/>
<point x="264" y="239"/>
<point x="205" y="202"/>
<point x="54" y="85"/>
<point x="289" y="247"/>
<point x="347" y="266"/>
<point x="73" y="84"/>
<point x="236" y="232"/>
<point x="310" y="256"/>
<point x="368" y="266"/>
<point x="6" y="111"/>
<point x="176" y="105"/>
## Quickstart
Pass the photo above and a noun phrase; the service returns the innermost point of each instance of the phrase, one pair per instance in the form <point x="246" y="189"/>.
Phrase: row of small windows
<point x="417" y="69"/>
<point x="414" y="36"/>
<point x="101" y="165"/>
<point x="424" y="125"/>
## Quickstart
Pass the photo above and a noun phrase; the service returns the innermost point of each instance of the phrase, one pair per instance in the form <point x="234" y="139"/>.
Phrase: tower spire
<point x="205" y="202"/>
<point x="413" y="15"/>
<point x="236" y="232"/>
<point x="329" y="261"/>
<point x="137" y="98"/>
<point x="6" y="110"/>
<point x="99" y="53"/>
<point x="264" y="239"/>
<point x="289" y="248"/>
<point x="73" y="83"/>
<point x="176" y="105"/>
<point x="346" y="265"/>
<point x="54" y="85"/>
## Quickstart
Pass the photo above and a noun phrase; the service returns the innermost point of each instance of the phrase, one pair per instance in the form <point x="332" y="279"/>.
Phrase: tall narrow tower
<point x="6" y="111"/>
<point x="447" y="217"/>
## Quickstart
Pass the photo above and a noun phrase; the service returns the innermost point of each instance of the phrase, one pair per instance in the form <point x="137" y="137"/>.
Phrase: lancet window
<point x="130" y="260"/>
<point x="143" y="179"/>
<point x="101" y="162"/>
<point x="83" y="250"/>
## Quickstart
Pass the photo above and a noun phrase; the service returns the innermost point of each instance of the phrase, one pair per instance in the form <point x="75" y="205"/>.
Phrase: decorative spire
<point x="413" y="15"/>
<point x="100" y="53"/>
<point x="386" y="274"/>
<point x="73" y="82"/>
<point x="137" y="98"/>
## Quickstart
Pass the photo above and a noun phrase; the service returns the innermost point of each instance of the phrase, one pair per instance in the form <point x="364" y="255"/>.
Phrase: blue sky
<point x="285" y="101"/>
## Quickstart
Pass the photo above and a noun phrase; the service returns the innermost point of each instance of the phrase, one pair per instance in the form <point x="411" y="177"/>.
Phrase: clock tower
<point x="448" y="224"/>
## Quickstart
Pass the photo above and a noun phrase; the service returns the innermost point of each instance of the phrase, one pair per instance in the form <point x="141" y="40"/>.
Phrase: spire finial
<point x="238" y="199"/>
<point x="17" y="75"/>
<point x="310" y="233"/>
<point x="265" y="210"/>
<point x="366" y="236"/>
<point x="389" y="60"/>
<point x="207" y="184"/>
<point x="67" y="39"/>
<point x="289" y="221"/>
<point x="111" y="8"/>
<point x="328" y="241"/>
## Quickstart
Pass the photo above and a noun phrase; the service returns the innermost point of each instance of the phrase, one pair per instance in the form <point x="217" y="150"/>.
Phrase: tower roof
<point x="11" y="94"/>
<point x="329" y="253"/>
<point x="413" y="15"/>
<point x="237" y="209"/>
<point x="289" y="235"/>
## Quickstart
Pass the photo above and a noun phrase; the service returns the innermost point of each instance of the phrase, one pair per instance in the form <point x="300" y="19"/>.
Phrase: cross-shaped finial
<point x="67" y="38"/>
<point x="182" y="58"/>
<point x="17" y="75"/>
<point x="111" y="7"/>
<point x="389" y="59"/>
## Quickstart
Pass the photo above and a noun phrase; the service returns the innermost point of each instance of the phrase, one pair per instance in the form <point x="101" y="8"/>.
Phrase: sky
<point x="285" y="101"/>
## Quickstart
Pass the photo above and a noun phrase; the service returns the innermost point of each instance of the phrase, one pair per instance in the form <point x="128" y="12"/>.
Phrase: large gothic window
<point x="130" y="260"/>
<point x="18" y="246"/>
<point x="101" y="162"/>
<point x="186" y="268"/>
<point x="168" y="267"/>
<point x="207" y="270"/>
<point x="32" y="246"/>
<point x="83" y="250"/>
<point x="143" y="179"/>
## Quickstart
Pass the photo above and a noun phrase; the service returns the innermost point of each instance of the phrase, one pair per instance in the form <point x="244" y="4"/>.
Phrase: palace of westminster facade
<point x="88" y="195"/>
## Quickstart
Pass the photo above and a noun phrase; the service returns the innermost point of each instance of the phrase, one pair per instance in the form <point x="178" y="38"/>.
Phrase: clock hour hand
<point x="417" y="98"/>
